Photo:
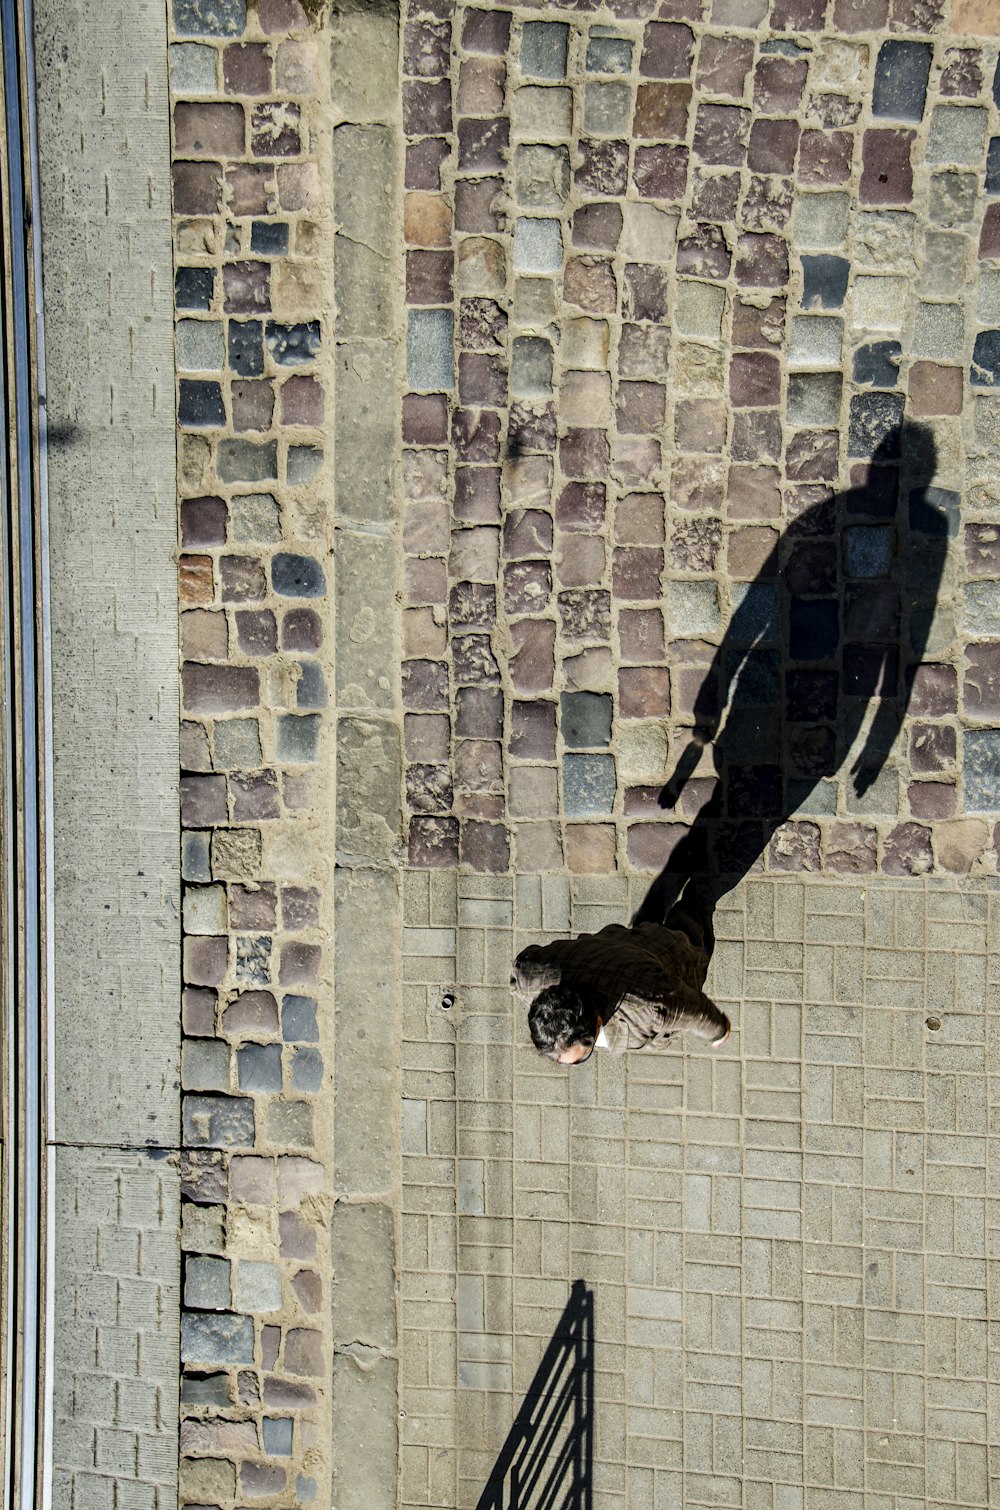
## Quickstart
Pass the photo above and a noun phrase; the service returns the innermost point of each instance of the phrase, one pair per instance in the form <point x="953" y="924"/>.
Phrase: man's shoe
<point x="718" y="1042"/>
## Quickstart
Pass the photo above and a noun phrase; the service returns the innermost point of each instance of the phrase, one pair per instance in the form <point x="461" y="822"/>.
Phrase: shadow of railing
<point x="547" y="1460"/>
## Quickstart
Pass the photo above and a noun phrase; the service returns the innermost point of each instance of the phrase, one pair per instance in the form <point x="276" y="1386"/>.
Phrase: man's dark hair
<point x="558" y="1018"/>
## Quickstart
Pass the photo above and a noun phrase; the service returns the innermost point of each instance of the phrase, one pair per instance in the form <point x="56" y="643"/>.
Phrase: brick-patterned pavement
<point x="790" y="1243"/>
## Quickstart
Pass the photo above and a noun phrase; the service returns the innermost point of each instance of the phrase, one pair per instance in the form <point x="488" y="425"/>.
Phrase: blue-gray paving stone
<point x="946" y="254"/>
<point x="985" y="372"/>
<point x="756" y="615"/>
<point x="257" y="1286"/>
<point x="939" y="332"/>
<point x="585" y="720"/>
<point x="813" y="629"/>
<point x="278" y="1436"/>
<point x="543" y="49"/>
<point x="298" y="1020"/>
<point x="236" y="744"/>
<point x="205" y="1064"/>
<point x="953" y="199"/>
<point x="816" y="341"/>
<point x="875" y="418"/>
<point x="255" y="516"/>
<point x="982" y="770"/>
<point x="307" y="1069"/>
<point x="824" y="281"/>
<point x="306" y="1488"/>
<point x="310" y="690"/>
<point x="531" y="367"/>
<point x="269" y="238"/>
<point x="291" y="345"/>
<point x="195" y="862"/>
<point x="588" y="785"/>
<point x="194" y="287"/>
<point x="821" y="220"/>
<point x="537" y="245"/>
<point x="206" y="1284"/>
<point x="206" y="1389"/>
<point x="813" y="799"/>
<point x="607" y="107"/>
<point x="219" y="1339"/>
<point x="297" y="737"/>
<point x="247" y="461"/>
<point x="877" y="363"/>
<point x="988" y="305"/>
<point x="754" y="732"/>
<point x="200" y="404"/>
<point x="901" y="74"/>
<point x="814" y="398"/>
<point x="755" y="678"/>
<point x="246" y="347"/>
<point x="210" y="18"/>
<point x="218" y="1122"/>
<point x="294" y="576"/>
<point x="935" y="511"/>
<point x="868" y="550"/>
<point x="956" y="134"/>
<point x="258" y="1066"/>
<point x="192" y="68"/>
<point x="303" y="464"/>
<point x="607" y="52"/>
<point x="982" y="609"/>
<point x="198" y="345"/>
<point x="993" y="166"/>
<point x="784" y="47"/>
<point x="430" y="362"/>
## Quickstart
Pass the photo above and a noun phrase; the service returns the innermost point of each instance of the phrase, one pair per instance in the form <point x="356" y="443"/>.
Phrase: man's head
<point x="562" y="1027"/>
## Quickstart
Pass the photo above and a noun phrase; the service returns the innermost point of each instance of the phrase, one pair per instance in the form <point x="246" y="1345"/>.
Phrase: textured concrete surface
<point x="790" y="1243"/>
<point x="114" y="1049"/>
<point x="105" y="212"/>
<point x="117" y="1299"/>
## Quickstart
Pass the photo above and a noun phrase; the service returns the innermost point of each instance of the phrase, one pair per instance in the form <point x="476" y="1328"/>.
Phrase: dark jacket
<point x="643" y="982"/>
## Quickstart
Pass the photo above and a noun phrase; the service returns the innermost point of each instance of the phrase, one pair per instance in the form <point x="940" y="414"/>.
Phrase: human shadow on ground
<point x="547" y="1461"/>
<point x="838" y="617"/>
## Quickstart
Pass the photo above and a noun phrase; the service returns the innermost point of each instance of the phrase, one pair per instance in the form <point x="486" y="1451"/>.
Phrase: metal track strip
<point x="27" y="778"/>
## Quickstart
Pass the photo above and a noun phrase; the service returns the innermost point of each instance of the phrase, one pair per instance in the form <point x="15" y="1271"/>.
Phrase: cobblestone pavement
<point x="251" y="149"/>
<point x="685" y="292"/>
<point x="675" y="277"/>
<point x="791" y="1244"/>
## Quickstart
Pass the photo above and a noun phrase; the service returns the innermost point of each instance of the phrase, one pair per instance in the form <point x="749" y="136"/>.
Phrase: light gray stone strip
<point x="109" y="354"/>
<point x="104" y="167"/>
<point x="368" y="901"/>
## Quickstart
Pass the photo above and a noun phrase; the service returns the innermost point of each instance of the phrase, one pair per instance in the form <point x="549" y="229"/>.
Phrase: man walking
<point x="622" y="988"/>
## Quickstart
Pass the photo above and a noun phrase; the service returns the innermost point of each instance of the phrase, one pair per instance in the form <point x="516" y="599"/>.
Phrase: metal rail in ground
<point x="26" y="835"/>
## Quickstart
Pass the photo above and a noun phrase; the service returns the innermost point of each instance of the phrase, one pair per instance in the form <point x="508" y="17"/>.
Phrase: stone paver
<point x="789" y="1243"/>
